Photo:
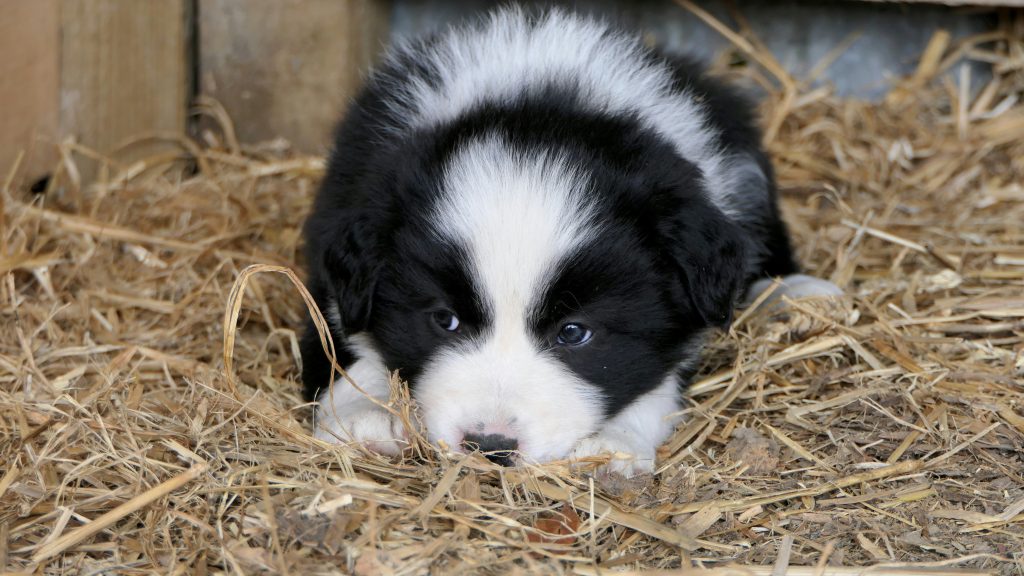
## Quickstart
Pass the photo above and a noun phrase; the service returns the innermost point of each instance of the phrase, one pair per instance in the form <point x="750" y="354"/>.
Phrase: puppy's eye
<point x="446" y="320"/>
<point x="574" y="334"/>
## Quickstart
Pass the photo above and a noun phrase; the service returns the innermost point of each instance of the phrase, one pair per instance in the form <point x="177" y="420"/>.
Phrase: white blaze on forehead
<point x="519" y="215"/>
<point x="612" y="72"/>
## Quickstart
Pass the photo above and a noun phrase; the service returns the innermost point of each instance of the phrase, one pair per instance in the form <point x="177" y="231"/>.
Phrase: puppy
<point x="536" y="220"/>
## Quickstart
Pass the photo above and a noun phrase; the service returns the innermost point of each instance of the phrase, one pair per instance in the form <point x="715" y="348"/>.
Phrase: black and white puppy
<point x="535" y="219"/>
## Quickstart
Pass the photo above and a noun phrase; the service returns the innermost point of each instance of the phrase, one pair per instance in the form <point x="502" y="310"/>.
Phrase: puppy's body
<point x="534" y="220"/>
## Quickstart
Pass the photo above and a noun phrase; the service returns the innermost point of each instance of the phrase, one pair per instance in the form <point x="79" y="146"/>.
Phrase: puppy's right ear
<point x="349" y="265"/>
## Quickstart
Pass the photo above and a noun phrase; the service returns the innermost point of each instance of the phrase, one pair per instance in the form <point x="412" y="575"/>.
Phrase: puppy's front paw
<point x="799" y="286"/>
<point x="374" y="428"/>
<point x="794" y="287"/>
<point x="628" y="457"/>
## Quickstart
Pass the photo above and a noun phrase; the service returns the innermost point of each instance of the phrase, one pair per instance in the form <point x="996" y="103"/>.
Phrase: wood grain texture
<point x="125" y="71"/>
<point x="29" y="77"/>
<point x="287" y="68"/>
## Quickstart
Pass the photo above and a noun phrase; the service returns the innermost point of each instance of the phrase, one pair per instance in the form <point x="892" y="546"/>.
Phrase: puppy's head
<point x="529" y="294"/>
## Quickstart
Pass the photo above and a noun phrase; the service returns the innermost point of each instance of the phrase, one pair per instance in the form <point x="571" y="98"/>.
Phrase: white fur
<point x="508" y="56"/>
<point x="634" y="434"/>
<point x="333" y="314"/>
<point x="346" y="415"/>
<point x="519" y="217"/>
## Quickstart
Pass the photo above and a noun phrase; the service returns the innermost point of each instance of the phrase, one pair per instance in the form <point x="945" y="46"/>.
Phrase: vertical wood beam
<point x="125" y="72"/>
<point x="29" y="81"/>
<point x="287" y="68"/>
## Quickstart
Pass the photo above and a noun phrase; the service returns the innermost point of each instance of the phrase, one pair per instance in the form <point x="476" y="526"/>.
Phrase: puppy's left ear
<point x="349" y="263"/>
<point x="709" y="249"/>
<point x="710" y="252"/>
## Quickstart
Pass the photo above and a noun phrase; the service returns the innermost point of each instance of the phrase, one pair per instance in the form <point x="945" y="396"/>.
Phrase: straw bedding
<point x="886" y="429"/>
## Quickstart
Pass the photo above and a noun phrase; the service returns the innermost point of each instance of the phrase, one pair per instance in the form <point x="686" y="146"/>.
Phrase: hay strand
<point x="83" y="533"/>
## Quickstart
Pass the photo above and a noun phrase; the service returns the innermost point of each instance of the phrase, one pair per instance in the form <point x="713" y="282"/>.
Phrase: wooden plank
<point x="29" y="76"/>
<point x="286" y="68"/>
<point x="125" y="72"/>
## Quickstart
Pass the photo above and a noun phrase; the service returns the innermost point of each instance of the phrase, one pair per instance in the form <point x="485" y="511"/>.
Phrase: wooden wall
<point x="91" y="70"/>
<point x="29" y="83"/>
<point x="105" y="72"/>
<point x="125" y="74"/>
<point x="286" y="68"/>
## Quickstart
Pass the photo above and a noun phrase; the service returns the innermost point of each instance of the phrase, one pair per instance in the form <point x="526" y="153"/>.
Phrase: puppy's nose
<point x="495" y="447"/>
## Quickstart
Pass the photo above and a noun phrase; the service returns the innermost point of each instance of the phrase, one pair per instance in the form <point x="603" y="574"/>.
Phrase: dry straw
<point x="885" y="430"/>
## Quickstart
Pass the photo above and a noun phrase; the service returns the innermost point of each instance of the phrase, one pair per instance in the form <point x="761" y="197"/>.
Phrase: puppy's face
<point x="533" y="300"/>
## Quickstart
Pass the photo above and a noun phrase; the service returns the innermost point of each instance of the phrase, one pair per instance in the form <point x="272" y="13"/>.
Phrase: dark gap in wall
<point x="192" y="79"/>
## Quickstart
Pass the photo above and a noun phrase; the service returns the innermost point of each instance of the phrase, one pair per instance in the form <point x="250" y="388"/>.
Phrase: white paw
<point x="374" y="428"/>
<point x="628" y="457"/>
<point x="794" y="287"/>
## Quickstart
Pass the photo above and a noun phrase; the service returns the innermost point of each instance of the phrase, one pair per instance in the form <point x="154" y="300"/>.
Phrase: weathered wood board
<point x="286" y="68"/>
<point x="125" y="71"/>
<point x="100" y="71"/>
<point x="29" y="80"/>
